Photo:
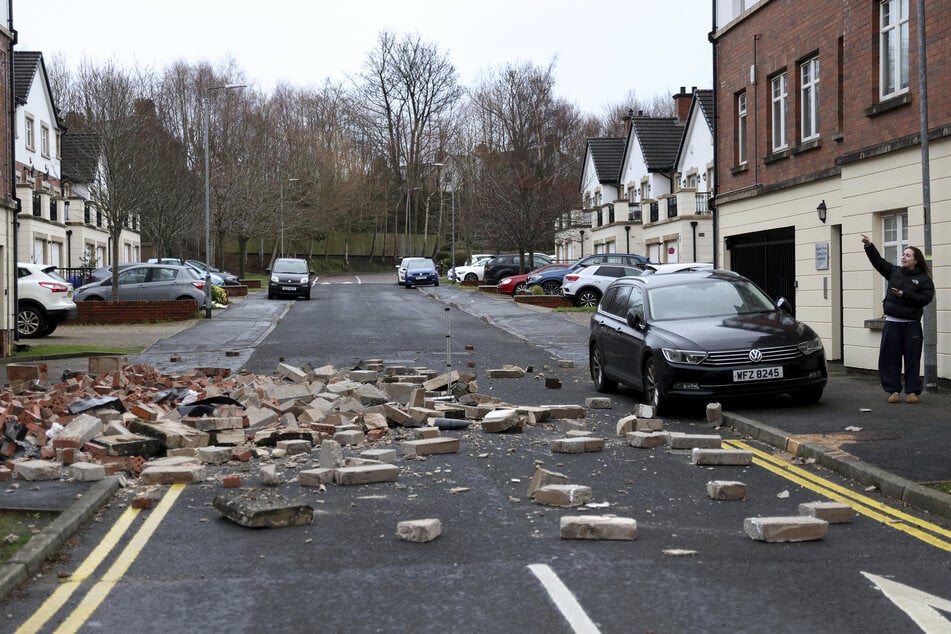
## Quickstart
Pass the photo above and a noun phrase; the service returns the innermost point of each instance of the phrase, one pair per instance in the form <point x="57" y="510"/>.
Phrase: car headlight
<point x="275" y="279"/>
<point x="303" y="279"/>
<point x="532" y="279"/>
<point x="692" y="357"/>
<point x="810" y="346"/>
<point x="506" y="280"/>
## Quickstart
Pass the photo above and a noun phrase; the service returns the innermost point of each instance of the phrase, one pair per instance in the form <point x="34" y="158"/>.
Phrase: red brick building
<point x="817" y="142"/>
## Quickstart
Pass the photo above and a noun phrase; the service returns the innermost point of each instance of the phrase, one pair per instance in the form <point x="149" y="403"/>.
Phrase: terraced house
<point x="818" y="140"/>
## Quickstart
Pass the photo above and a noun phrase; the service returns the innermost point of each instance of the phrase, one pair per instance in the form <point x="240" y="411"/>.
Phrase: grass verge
<point x="17" y="527"/>
<point x="49" y="350"/>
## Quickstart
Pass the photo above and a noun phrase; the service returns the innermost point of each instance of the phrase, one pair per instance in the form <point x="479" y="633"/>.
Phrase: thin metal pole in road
<point x="207" y="289"/>
<point x="448" y="355"/>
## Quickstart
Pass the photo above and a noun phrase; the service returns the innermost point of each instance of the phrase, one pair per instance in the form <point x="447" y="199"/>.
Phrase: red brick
<point x="141" y="502"/>
<point x="231" y="481"/>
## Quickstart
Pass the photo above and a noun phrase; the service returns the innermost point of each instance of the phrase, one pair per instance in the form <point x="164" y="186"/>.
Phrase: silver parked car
<point x="145" y="282"/>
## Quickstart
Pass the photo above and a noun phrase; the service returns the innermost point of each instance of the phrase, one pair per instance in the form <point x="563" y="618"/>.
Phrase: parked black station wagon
<point x="703" y="335"/>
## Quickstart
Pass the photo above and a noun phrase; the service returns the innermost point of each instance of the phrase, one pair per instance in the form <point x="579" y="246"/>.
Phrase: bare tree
<point x="527" y="163"/>
<point x="109" y="95"/>
<point x="406" y="87"/>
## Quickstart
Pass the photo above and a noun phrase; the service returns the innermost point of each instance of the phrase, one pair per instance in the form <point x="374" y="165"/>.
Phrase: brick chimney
<point x="682" y="103"/>
<point x="627" y="122"/>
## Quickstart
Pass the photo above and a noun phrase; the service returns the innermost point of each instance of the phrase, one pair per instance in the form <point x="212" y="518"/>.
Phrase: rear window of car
<point x="290" y="266"/>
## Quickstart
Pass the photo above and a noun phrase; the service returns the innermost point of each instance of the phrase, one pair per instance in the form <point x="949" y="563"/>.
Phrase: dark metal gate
<point x="768" y="258"/>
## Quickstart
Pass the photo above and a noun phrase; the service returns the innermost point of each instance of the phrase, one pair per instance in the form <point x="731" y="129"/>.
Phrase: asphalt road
<point x="189" y="570"/>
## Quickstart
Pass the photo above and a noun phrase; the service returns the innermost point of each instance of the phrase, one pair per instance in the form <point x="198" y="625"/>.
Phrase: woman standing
<point x="910" y="289"/>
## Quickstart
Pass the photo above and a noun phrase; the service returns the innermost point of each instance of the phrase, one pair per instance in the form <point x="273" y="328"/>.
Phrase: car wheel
<point x="809" y="395"/>
<point x="551" y="287"/>
<point x="31" y="322"/>
<point x="437" y="283"/>
<point x="653" y="392"/>
<point x="307" y="297"/>
<point x="588" y="297"/>
<point x="596" y="366"/>
<point x="49" y="329"/>
<point x="471" y="277"/>
<point x="519" y="288"/>
<point x="270" y="295"/>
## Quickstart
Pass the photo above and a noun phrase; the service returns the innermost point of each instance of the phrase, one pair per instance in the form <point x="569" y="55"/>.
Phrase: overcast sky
<point x="602" y="49"/>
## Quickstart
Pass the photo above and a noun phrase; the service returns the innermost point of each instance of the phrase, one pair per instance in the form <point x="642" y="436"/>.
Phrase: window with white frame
<point x="741" y="128"/>
<point x="30" y="133"/>
<point x="778" y="92"/>
<point x="44" y="140"/>
<point x="809" y="72"/>
<point x="894" y="236"/>
<point x="893" y="47"/>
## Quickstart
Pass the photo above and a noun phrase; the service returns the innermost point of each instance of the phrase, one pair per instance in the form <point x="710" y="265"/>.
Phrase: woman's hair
<point x="920" y="261"/>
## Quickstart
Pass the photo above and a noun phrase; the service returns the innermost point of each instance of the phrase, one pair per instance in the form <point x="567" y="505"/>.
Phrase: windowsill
<point x="875" y="324"/>
<point x="739" y="169"/>
<point x="889" y="104"/>
<point x="837" y="135"/>
<point x="776" y="156"/>
<point x="807" y="146"/>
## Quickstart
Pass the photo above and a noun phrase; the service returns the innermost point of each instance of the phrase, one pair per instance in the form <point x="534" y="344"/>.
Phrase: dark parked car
<point x="550" y="281"/>
<point x="146" y="282"/>
<point x="290" y="276"/>
<point x="502" y="266"/>
<point x="419" y="271"/>
<point x="703" y="335"/>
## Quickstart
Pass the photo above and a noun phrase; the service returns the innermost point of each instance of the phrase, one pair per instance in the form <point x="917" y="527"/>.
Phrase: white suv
<point x="45" y="300"/>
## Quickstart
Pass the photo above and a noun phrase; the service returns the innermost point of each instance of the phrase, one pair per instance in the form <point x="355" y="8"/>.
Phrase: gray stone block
<point x="832" y="512"/>
<point x="366" y="474"/>
<point x="726" y="490"/>
<point x="419" y="531"/>
<point x="598" y="527"/>
<point x="566" y="495"/>
<point x="721" y="457"/>
<point x="785" y="529"/>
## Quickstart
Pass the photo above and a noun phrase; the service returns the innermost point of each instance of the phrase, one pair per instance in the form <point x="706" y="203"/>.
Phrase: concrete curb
<point x="28" y="560"/>
<point x="889" y="484"/>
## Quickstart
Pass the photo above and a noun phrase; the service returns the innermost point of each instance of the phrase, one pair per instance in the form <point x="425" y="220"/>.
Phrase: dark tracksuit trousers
<point x="901" y="341"/>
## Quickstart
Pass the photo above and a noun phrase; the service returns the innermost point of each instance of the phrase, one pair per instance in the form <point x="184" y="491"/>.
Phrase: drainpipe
<point x="17" y="203"/>
<point x="712" y="202"/>
<point x="693" y="225"/>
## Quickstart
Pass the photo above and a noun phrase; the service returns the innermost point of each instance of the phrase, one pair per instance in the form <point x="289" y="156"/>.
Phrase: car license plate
<point x="288" y="288"/>
<point x="757" y="374"/>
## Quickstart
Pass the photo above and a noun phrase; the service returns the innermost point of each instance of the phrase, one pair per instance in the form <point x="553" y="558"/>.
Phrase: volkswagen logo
<point x="755" y="355"/>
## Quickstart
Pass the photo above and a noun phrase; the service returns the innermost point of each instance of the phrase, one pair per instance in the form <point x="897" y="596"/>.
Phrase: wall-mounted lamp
<point x="821" y="211"/>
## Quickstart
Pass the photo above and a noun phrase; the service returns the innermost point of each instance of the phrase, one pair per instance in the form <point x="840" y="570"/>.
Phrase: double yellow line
<point x="927" y="532"/>
<point x="98" y="593"/>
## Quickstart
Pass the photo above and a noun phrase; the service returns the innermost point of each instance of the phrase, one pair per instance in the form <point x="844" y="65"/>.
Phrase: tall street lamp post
<point x="289" y="180"/>
<point x="204" y="107"/>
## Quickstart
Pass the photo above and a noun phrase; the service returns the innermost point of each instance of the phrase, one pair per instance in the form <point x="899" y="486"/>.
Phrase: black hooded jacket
<point x="917" y="289"/>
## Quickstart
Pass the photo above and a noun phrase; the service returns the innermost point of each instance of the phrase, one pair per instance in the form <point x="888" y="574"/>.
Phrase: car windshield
<point x="290" y="266"/>
<point x="707" y="298"/>
<point x="421" y="263"/>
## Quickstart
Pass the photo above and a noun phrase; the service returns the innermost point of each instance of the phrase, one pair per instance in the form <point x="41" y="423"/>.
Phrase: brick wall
<point x="135" y="312"/>
<point x="779" y="36"/>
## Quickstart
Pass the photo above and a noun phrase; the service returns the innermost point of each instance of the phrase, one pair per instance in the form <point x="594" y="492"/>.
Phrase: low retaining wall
<point x="134" y="312"/>
<point x="254" y="283"/>
<point x="238" y="291"/>
<point x="548" y="301"/>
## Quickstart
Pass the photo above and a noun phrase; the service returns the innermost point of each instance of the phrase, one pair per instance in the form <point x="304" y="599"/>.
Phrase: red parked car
<point x="516" y="283"/>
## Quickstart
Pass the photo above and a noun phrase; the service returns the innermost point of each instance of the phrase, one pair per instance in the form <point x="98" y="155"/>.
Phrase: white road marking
<point x="921" y="607"/>
<point x="564" y="600"/>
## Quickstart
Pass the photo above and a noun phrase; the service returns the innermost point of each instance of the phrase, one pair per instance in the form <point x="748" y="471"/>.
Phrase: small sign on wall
<point x="822" y="256"/>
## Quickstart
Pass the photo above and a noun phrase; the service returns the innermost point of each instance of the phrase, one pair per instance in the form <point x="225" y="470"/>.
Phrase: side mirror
<point x="783" y="304"/>
<point x="635" y="319"/>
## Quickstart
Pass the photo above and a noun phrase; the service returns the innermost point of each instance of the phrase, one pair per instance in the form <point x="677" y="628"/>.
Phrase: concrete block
<point x="175" y="474"/>
<point x="831" y="512"/>
<point x="106" y="363"/>
<point x="366" y="474"/>
<point x="726" y="490"/>
<point x="419" y="531"/>
<point x="171" y="434"/>
<point x="721" y="457"/>
<point x="600" y="527"/>
<point x="785" y="529"/>
<point x="261" y="508"/>
<point x="506" y="372"/>
<point x="691" y="441"/>
<point x="130" y="445"/>
<point x="84" y="426"/>
<point x="421" y="433"/>
<point x="544" y="477"/>
<point x="291" y="373"/>
<point x="576" y="445"/>
<point x="571" y="424"/>
<point x="35" y="470"/>
<point x="566" y="495"/>
<point x="625" y="426"/>
<point x="715" y="414"/>
<point x="364" y="376"/>
<point x="566" y="411"/>
<point x="380" y="455"/>
<point x="214" y="423"/>
<point x="502" y="421"/>
<point x="315" y="477"/>
<point x="642" y="410"/>
<point x="87" y="471"/>
<point x="428" y="446"/>
<point x="214" y="455"/>
<point x="350" y="437"/>
<point x="294" y="447"/>
<point x="598" y="402"/>
<point x="646" y="439"/>
<point x="649" y="424"/>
